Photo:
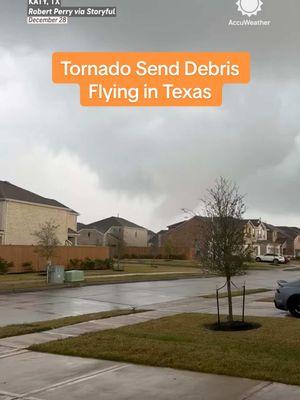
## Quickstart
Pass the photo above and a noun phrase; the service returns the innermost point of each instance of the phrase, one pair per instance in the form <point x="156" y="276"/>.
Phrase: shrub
<point x="75" y="262"/>
<point x="109" y="263"/>
<point x="27" y="266"/>
<point x="88" y="263"/>
<point x="104" y="264"/>
<point x="4" y="266"/>
<point x="91" y="263"/>
<point x="177" y="257"/>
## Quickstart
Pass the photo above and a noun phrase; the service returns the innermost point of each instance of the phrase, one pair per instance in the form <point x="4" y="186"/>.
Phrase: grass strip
<point x="40" y="285"/>
<point x="23" y="329"/>
<point x="269" y="353"/>
<point x="236" y="293"/>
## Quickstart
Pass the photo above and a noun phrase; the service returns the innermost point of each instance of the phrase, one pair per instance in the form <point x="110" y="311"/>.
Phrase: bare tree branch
<point x="47" y="240"/>
<point x="224" y="249"/>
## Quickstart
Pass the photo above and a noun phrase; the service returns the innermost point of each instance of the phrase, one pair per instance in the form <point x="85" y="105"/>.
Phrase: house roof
<point x="105" y="224"/>
<point x="8" y="191"/>
<point x="290" y="231"/>
<point x="80" y="226"/>
<point x="255" y="222"/>
<point x="177" y="224"/>
<point x="72" y="232"/>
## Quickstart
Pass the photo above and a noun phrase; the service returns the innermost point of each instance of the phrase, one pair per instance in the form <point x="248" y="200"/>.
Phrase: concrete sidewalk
<point x="28" y="375"/>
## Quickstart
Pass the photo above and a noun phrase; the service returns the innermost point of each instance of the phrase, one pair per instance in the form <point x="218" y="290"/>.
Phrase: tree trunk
<point x="230" y="314"/>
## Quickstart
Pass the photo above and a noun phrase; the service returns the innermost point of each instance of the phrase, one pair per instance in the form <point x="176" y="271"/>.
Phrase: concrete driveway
<point x="50" y="304"/>
<point x="37" y="376"/>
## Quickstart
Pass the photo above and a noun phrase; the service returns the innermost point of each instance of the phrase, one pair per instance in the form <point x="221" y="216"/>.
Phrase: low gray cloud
<point x="167" y="156"/>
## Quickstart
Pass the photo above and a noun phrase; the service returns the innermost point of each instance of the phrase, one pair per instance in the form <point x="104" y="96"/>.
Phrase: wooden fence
<point x="19" y="254"/>
<point x="140" y="252"/>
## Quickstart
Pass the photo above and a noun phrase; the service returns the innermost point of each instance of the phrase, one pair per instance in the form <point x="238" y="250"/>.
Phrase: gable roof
<point x="290" y="231"/>
<point x="8" y="191"/>
<point x="172" y="226"/>
<point x="80" y="225"/>
<point x="255" y="222"/>
<point x="105" y="224"/>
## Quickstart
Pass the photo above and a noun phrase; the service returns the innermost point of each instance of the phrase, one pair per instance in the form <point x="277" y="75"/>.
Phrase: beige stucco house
<point x="22" y="212"/>
<point x="111" y="231"/>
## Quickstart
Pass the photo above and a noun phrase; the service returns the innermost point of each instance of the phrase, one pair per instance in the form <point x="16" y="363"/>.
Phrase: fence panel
<point x="18" y="254"/>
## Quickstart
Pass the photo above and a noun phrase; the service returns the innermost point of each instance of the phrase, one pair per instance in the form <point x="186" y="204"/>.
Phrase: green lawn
<point x="271" y="352"/>
<point x="146" y="270"/>
<point x="236" y="293"/>
<point x="263" y="266"/>
<point x="23" y="329"/>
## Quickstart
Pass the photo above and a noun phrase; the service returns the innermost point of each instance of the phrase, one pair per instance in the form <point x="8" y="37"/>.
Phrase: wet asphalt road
<point x="50" y="304"/>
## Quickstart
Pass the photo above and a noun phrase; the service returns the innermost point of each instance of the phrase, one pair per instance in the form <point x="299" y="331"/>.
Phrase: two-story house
<point x="292" y="236"/>
<point x="23" y="212"/>
<point x="111" y="232"/>
<point x="265" y="238"/>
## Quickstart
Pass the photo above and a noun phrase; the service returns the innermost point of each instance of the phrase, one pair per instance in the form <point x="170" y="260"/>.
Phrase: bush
<point x="104" y="264"/>
<point x="75" y="262"/>
<point x="177" y="257"/>
<point x="109" y="263"/>
<point x="4" y="266"/>
<point x="152" y="256"/>
<point x="88" y="263"/>
<point x="27" y="266"/>
<point x="91" y="264"/>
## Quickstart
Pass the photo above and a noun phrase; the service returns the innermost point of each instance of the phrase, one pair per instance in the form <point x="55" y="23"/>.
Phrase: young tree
<point x="120" y="248"/>
<point x="224" y="249"/>
<point x="168" y="249"/>
<point x="47" y="240"/>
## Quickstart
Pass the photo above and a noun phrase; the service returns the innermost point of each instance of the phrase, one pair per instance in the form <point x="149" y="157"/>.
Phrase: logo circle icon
<point x="249" y="7"/>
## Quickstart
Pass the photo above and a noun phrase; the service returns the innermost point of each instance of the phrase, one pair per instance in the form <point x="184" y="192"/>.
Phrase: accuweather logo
<point x="249" y="7"/>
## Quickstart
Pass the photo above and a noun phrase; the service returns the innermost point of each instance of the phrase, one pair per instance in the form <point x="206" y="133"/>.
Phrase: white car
<point x="271" y="258"/>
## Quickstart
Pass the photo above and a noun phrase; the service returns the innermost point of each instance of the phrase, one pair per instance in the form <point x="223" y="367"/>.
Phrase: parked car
<point x="271" y="258"/>
<point x="287" y="297"/>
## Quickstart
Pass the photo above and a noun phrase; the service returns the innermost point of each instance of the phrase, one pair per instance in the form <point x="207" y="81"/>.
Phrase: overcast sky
<point x="145" y="164"/>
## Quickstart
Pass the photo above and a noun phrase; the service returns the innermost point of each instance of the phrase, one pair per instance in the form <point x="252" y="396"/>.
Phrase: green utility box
<point x="74" y="276"/>
<point x="118" y="266"/>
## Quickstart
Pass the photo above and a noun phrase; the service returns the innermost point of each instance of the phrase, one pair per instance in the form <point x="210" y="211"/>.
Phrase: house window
<point x="259" y="233"/>
<point x="135" y="234"/>
<point x="89" y="235"/>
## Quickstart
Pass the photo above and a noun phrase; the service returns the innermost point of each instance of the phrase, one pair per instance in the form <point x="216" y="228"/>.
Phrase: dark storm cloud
<point x="171" y="154"/>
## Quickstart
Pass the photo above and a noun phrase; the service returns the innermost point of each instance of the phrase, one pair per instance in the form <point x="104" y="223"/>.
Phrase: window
<point x="89" y="235"/>
<point x="135" y="234"/>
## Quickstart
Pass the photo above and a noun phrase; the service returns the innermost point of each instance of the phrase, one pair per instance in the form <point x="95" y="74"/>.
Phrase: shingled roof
<point x="8" y="191"/>
<point x="290" y="231"/>
<point x="104" y="224"/>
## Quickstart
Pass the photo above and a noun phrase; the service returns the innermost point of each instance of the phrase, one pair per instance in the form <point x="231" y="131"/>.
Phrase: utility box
<point x="74" y="276"/>
<point x="55" y="274"/>
<point x="118" y="266"/>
